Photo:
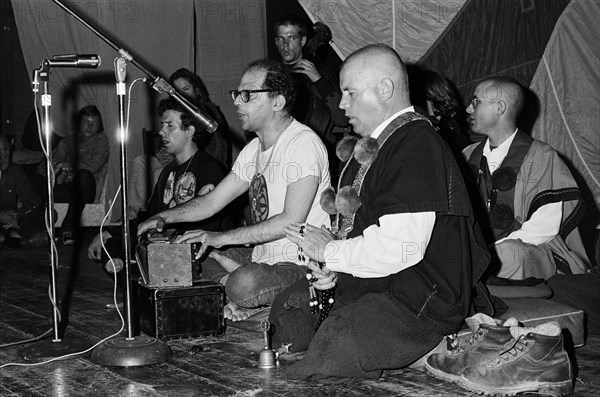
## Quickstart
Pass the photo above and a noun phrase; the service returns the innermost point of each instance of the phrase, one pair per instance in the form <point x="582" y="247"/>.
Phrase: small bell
<point x="266" y="359"/>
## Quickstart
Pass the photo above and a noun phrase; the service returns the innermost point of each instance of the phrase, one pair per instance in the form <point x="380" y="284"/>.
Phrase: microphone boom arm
<point x="156" y="82"/>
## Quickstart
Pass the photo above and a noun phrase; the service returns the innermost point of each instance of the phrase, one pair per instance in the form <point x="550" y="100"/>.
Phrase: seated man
<point x="21" y="209"/>
<point x="284" y="169"/>
<point x="192" y="172"/>
<point x="145" y="169"/>
<point x="79" y="164"/>
<point x="405" y="263"/>
<point x="532" y="201"/>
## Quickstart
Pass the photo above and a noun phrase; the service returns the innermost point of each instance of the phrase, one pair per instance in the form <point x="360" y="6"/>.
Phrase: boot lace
<point x="457" y="344"/>
<point x="512" y="350"/>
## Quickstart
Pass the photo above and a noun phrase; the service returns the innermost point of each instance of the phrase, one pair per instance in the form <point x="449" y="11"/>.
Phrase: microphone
<point x="161" y="85"/>
<point x="86" y="61"/>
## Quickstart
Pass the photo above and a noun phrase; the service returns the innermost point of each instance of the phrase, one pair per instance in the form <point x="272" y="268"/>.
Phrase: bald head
<point x="506" y="89"/>
<point x="374" y="86"/>
<point x="379" y="62"/>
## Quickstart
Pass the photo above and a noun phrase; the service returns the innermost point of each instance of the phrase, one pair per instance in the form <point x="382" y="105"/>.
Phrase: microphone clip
<point x="40" y="74"/>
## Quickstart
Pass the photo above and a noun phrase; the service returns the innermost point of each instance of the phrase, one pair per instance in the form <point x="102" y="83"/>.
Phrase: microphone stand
<point x="47" y="129"/>
<point x="56" y="346"/>
<point x="130" y="350"/>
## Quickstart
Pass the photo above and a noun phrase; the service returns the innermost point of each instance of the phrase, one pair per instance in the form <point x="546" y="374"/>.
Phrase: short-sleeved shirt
<point x="296" y="154"/>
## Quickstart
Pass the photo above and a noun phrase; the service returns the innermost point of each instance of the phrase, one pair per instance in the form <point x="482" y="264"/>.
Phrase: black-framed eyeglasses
<point x="245" y="94"/>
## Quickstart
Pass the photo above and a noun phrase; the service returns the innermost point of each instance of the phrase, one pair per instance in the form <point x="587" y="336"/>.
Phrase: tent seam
<point x="562" y="115"/>
<point x="394" y="24"/>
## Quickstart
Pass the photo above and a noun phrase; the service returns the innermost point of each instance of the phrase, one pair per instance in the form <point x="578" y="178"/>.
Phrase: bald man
<point x="532" y="200"/>
<point x="404" y="265"/>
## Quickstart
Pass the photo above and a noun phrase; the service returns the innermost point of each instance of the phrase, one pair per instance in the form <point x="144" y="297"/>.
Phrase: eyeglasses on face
<point x="245" y="94"/>
<point x="476" y="101"/>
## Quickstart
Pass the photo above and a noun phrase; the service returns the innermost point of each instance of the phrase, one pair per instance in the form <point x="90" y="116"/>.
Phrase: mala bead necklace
<point x="327" y="300"/>
<point x="345" y="203"/>
<point x="313" y="302"/>
<point x="324" y="304"/>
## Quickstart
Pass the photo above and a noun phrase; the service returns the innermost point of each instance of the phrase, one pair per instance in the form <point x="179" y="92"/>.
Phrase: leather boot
<point x="535" y="362"/>
<point x="468" y="351"/>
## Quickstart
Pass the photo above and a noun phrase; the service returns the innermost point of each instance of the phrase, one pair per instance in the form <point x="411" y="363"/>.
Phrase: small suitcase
<point x="181" y="312"/>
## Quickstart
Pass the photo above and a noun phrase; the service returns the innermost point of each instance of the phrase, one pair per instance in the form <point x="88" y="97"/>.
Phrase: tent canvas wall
<point x="214" y="39"/>
<point x="552" y="47"/>
<point x="549" y="46"/>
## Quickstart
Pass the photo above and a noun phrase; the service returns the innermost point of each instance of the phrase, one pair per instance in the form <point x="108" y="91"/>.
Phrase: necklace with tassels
<point x="345" y="203"/>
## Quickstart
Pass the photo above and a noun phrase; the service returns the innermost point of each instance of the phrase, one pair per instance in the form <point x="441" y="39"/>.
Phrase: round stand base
<point x="122" y="352"/>
<point x="47" y="349"/>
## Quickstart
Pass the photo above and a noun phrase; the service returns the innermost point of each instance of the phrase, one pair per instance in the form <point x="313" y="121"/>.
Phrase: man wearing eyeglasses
<point x="530" y="197"/>
<point x="317" y="90"/>
<point x="284" y="170"/>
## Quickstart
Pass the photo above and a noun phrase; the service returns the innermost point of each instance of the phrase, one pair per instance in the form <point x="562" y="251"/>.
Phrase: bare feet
<point x="235" y="313"/>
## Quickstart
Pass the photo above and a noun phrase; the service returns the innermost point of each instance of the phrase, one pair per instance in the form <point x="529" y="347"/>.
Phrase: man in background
<point x="317" y="93"/>
<point x="532" y="201"/>
<point x="79" y="164"/>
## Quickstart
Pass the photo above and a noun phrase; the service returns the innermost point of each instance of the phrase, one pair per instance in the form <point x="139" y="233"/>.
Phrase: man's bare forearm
<point x="195" y="210"/>
<point x="263" y="232"/>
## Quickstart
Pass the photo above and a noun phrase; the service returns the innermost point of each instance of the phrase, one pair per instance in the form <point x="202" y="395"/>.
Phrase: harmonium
<point x="172" y="302"/>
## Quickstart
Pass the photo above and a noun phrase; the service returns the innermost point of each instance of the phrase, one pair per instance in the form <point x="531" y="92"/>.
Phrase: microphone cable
<point x="70" y="355"/>
<point x="55" y="252"/>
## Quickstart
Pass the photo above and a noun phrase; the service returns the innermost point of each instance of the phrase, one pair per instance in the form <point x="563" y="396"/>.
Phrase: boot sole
<point x="549" y="388"/>
<point x="441" y="374"/>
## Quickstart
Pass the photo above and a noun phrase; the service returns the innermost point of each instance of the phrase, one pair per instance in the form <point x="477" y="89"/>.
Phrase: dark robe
<point x="389" y="322"/>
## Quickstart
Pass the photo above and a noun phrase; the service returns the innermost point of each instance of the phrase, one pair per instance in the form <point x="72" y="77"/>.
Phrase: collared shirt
<point x="496" y="156"/>
<point x="399" y="242"/>
<point x="544" y="223"/>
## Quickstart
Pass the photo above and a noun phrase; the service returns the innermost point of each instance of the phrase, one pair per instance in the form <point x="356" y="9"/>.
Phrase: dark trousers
<point x="359" y="339"/>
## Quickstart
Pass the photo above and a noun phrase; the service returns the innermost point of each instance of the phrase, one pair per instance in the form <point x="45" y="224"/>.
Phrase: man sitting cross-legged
<point x="285" y="170"/>
<point x="531" y="200"/>
<point x="404" y="262"/>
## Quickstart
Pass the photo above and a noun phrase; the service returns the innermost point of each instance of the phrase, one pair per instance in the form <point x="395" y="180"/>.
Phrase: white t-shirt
<point x="298" y="153"/>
